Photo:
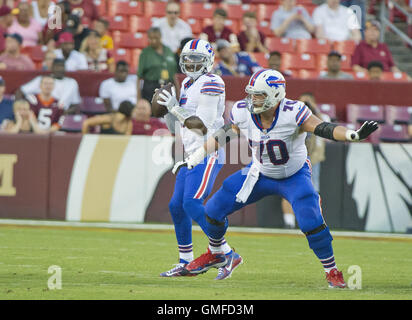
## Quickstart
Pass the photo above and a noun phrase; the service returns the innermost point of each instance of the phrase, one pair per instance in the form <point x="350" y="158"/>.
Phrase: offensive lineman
<point x="276" y="129"/>
<point x="201" y="105"/>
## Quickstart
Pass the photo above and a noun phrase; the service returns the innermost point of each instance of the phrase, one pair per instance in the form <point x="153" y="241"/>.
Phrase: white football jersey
<point x="190" y="92"/>
<point x="279" y="151"/>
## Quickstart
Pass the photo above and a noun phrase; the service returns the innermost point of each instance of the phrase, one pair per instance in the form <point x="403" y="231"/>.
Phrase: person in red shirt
<point x="46" y="108"/>
<point x="144" y="124"/>
<point x="217" y="30"/>
<point x="251" y="39"/>
<point x="6" y="20"/>
<point x="371" y="49"/>
<point x="85" y="9"/>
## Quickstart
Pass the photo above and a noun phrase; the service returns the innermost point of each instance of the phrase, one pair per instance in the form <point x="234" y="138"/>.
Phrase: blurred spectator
<point x="179" y="51"/>
<point x="46" y="108"/>
<point x="172" y="28"/>
<point x="118" y="122"/>
<point x="25" y="120"/>
<point x="334" y="65"/>
<point x="251" y="39"/>
<point x="74" y="60"/>
<point x="371" y="49"/>
<point x="58" y="24"/>
<point x="375" y="70"/>
<point x="101" y="26"/>
<point x="85" y="9"/>
<point x="79" y="31"/>
<point x="335" y="22"/>
<point x="41" y="10"/>
<point x="66" y="90"/>
<point x="11" y="58"/>
<point x="217" y="30"/>
<point x="157" y="66"/>
<point x="291" y="21"/>
<point x="234" y="64"/>
<point x="6" y="105"/>
<point x="26" y="26"/>
<point x="6" y="20"/>
<point x="48" y="60"/>
<point x="98" y="58"/>
<point x="275" y="63"/>
<point x="120" y="88"/>
<point x="362" y="6"/>
<point x="143" y="124"/>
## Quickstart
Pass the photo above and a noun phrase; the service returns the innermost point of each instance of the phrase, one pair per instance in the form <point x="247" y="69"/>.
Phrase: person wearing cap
<point x="234" y="63"/>
<point x="6" y="20"/>
<point x="371" y="49"/>
<point x="375" y="70"/>
<point x="11" y="58"/>
<point x="85" y="9"/>
<point x="217" y="30"/>
<point x="334" y="65"/>
<point x="6" y="105"/>
<point x="26" y="26"/>
<point x="77" y="29"/>
<point x="74" y="60"/>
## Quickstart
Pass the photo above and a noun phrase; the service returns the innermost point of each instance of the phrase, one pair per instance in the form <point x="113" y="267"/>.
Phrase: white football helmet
<point x="270" y="85"/>
<point x="197" y="58"/>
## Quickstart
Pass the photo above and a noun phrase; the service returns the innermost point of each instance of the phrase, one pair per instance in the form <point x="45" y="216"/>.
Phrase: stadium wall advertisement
<point x="128" y="179"/>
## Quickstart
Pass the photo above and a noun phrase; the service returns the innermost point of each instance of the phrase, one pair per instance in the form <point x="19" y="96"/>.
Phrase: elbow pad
<point x="325" y="130"/>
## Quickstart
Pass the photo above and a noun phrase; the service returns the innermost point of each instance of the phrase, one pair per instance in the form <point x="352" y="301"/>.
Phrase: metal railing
<point x="385" y="22"/>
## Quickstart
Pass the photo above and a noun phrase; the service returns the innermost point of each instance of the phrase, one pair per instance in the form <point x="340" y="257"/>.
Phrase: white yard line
<point x="133" y="226"/>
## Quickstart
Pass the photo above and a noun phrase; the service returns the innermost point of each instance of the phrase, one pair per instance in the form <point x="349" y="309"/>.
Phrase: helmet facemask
<point x="258" y="101"/>
<point x="194" y="64"/>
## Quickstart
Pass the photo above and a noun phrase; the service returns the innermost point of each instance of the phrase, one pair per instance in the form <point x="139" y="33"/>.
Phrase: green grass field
<point x="121" y="264"/>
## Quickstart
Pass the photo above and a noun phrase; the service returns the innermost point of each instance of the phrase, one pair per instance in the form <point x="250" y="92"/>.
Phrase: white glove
<point x="191" y="161"/>
<point x="169" y="99"/>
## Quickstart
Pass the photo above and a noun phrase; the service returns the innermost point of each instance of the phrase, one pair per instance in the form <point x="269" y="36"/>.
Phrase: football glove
<point x="363" y="132"/>
<point x="191" y="161"/>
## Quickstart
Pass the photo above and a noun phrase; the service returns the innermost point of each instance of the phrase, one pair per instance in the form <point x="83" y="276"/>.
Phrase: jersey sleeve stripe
<point x="214" y="84"/>
<point x="305" y="116"/>
<point x="211" y="90"/>
<point x="300" y="113"/>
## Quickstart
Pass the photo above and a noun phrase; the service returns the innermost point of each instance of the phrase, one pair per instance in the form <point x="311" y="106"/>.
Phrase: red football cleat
<point x="205" y="262"/>
<point x="335" y="279"/>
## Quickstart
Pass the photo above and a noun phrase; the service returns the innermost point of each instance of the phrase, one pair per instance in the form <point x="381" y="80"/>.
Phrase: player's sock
<point x="328" y="264"/>
<point x="289" y="220"/>
<point x="185" y="253"/>
<point x="225" y="248"/>
<point x="215" y="246"/>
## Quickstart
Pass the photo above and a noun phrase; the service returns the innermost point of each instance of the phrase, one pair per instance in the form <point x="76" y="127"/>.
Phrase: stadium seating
<point x="264" y="27"/>
<point x="197" y="10"/>
<point x="359" y="113"/>
<point x="101" y="7"/>
<point x="328" y="109"/>
<point x="72" y="123"/>
<point x="308" y="74"/>
<point x="344" y="47"/>
<point x="394" y="133"/>
<point x="265" y="11"/>
<point x="236" y="11"/>
<point x="118" y="23"/>
<point x="139" y="24"/>
<point x="298" y="61"/>
<point x="398" y="114"/>
<point x="394" y="76"/>
<point x="130" y="40"/>
<point x="260" y="58"/>
<point x="92" y="106"/>
<point x="154" y="8"/>
<point x="280" y="44"/>
<point x="125" y="8"/>
<point x="313" y="46"/>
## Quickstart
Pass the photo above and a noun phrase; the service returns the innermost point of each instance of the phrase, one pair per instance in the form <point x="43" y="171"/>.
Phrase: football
<point x="159" y="110"/>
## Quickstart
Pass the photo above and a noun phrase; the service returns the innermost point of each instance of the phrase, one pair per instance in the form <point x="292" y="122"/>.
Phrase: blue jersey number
<point x="276" y="149"/>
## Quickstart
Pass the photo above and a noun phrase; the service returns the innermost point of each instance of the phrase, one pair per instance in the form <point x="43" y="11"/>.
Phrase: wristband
<point x="352" y="135"/>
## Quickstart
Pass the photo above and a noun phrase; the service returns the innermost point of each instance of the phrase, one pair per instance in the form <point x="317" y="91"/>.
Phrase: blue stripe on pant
<point x="192" y="187"/>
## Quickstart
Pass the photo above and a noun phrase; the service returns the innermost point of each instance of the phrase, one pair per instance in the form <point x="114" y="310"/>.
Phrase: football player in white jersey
<point x="276" y="129"/>
<point x="201" y="106"/>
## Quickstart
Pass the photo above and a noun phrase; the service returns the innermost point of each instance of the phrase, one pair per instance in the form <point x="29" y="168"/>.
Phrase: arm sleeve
<point x="302" y="115"/>
<point x="31" y="87"/>
<point x="275" y="21"/>
<point x="103" y="91"/>
<point x="207" y="109"/>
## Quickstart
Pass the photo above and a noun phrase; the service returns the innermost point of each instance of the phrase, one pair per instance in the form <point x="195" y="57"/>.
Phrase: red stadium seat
<point x="101" y="7"/>
<point x="36" y="53"/>
<point x="313" y="46"/>
<point x="264" y="27"/>
<point x="395" y="76"/>
<point x="303" y="61"/>
<point x="155" y="8"/>
<point x="262" y="1"/>
<point x="236" y="11"/>
<point x="72" y="123"/>
<point x="122" y="54"/>
<point x="196" y="25"/>
<point x="308" y="74"/>
<point x="260" y="58"/>
<point x="345" y="64"/>
<point x="345" y="47"/>
<point x="233" y="25"/>
<point x="118" y="23"/>
<point x="265" y="11"/>
<point x="328" y="109"/>
<point x="139" y="24"/>
<point x="280" y="44"/>
<point x="360" y="75"/>
<point x="197" y="10"/>
<point x="398" y="115"/>
<point x="92" y="106"/>
<point x="130" y="40"/>
<point x="125" y="8"/>
<point x="394" y="133"/>
<point x="360" y="113"/>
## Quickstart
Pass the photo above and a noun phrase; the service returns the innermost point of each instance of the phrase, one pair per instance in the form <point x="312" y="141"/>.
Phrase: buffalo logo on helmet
<point x="273" y="81"/>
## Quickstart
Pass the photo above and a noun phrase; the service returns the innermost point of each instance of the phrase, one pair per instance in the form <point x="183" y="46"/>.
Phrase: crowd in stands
<point x="140" y="41"/>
